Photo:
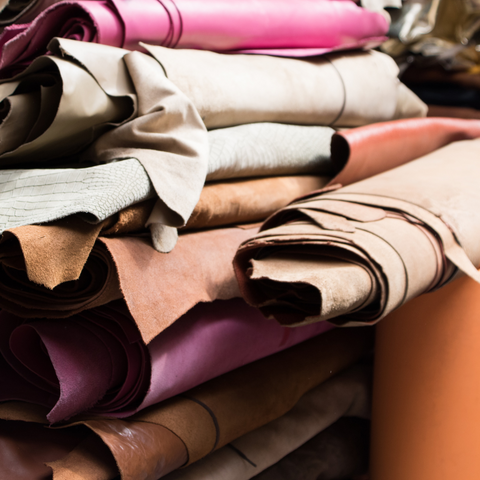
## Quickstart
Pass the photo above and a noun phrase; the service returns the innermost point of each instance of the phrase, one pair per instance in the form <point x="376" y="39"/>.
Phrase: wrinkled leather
<point x="172" y="433"/>
<point x="340" y="451"/>
<point x="125" y="267"/>
<point x="354" y="252"/>
<point x="347" y="393"/>
<point x="246" y="201"/>
<point x="46" y="123"/>
<point x="357" y="88"/>
<point x="255" y="26"/>
<point x="366" y="151"/>
<point x="216" y="412"/>
<point x="96" y="362"/>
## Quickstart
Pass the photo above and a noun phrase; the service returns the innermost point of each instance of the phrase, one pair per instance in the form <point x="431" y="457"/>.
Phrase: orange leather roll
<point x="426" y="399"/>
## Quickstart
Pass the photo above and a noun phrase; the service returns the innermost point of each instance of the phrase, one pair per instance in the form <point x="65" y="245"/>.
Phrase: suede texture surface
<point x="126" y="267"/>
<point x="319" y="258"/>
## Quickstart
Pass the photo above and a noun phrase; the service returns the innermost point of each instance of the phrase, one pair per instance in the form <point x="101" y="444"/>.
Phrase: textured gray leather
<point x="41" y="195"/>
<point x="264" y="149"/>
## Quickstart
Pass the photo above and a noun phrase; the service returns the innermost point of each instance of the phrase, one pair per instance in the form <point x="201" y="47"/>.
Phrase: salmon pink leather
<point x="278" y="27"/>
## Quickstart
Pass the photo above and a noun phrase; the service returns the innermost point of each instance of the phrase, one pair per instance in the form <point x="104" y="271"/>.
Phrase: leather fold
<point x="346" y="394"/>
<point x="155" y="123"/>
<point x="313" y="28"/>
<point x="357" y="88"/>
<point x="181" y="430"/>
<point x="157" y="288"/>
<point x="351" y="255"/>
<point x="96" y="362"/>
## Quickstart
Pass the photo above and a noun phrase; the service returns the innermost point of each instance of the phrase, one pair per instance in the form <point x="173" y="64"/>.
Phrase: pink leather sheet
<point x="278" y="27"/>
<point x="97" y="362"/>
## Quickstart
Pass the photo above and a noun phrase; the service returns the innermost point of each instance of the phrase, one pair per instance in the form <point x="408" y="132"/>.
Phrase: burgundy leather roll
<point x="97" y="362"/>
<point x="302" y="28"/>
<point x="366" y="151"/>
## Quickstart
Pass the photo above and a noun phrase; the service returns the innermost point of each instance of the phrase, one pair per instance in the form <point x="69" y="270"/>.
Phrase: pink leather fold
<point x="158" y="288"/>
<point x="96" y="361"/>
<point x="280" y="27"/>
<point x="366" y="151"/>
<point x="185" y="428"/>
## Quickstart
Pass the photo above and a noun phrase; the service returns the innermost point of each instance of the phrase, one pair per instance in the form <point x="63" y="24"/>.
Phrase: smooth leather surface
<point x="227" y="407"/>
<point x="357" y="88"/>
<point x="304" y="28"/>
<point x="333" y="243"/>
<point x="366" y="151"/>
<point x="96" y="362"/>
<point x="347" y="393"/>
<point x="426" y="389"/>
<point x="244" y="201"/>
<point x="125" y="267"/>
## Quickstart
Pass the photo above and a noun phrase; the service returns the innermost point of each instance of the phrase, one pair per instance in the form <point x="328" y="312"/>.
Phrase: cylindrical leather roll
<point x="313" y="28"/>
<point x="352" y="254"/>
<point x="426" y="400"/>
<point x="357" y="88"/>
<point x="366" y="151"/>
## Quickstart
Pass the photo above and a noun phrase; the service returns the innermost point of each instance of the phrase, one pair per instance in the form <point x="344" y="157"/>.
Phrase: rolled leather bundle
<point x="96" y="361"/>
<point x="351" y="255"/>
<point x="123" y="87"/>
<point x="157" y="288"/>
<point x="269" y="149"/>
<point x="185" y="428"/>
<point x="346" y="394"/>
<point x="366" y="151"/>
<point x="255" y="26"/>
<point x="357" y="88"/>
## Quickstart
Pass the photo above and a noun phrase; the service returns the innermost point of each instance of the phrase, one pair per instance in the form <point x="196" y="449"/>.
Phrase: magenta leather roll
<point x="277" y="27"/>
<point x="96" y="362"/>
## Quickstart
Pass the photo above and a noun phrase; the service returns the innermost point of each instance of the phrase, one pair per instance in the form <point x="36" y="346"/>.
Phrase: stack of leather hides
<point x="352" y="254"/>
<point x="88" y="271"/>
<point x="131" y="180"/>
<point x="279" y="28"/>
<point x="188" y="427"/>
